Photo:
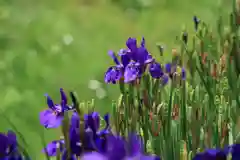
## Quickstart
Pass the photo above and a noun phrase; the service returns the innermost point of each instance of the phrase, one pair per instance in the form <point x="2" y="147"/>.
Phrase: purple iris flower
<point x="132" y="72"/>
<point x="155" y="70"/>
<point x="113" y="75"/>
<point x="135" y="144"/>
<point x="9" y="146"/>
<point x="211" y="154"/>
<point x="93" y="136"/>
<point x="52" y="147"/>
<point x="116" y="150"/>
<point x="53" y="116"/>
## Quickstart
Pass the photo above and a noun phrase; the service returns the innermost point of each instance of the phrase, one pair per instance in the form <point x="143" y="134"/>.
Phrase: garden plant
<point x="185" y="109"/>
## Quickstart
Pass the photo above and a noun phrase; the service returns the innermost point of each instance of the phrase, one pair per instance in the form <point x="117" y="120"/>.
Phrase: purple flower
<point x="52" y="147"/>
<point x="138" y="54"/>
<point x="211" y="154"/>
<point x="155" y="70"/>
<point x="93" y="136"/>
<point x="113" y="75"/>
<point x="132" y="44"/>
<point x="142" y="56"/>
<point x="135" y="144"/>
<point x="132" y="72"/>
<point x="9" y="145"/>
<point x="53" y="116"/>
<point x="116" y="150"/>
<point x="75" y="120"/>
<point x="93" y="121"/>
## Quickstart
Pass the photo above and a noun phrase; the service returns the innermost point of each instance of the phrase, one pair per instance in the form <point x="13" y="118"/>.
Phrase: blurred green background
<point x="45" y="45"/>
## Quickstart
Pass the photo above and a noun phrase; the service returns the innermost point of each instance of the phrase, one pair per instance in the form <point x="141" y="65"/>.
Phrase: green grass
<point x="34" y="59"/>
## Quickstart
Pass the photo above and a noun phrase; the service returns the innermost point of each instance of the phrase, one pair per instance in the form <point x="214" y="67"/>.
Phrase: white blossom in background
<point x="101" y="93"/>
<point x="67" y="39"/>
<point x="94" y="84"/>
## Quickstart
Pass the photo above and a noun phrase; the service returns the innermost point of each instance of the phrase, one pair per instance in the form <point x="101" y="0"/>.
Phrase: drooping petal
<point x="112" y="75"/>
<point x="131" y="73"/>
<point x="51" y="148"/>
<point x="50" y="102"/>
<point x="49" y="119"/>
<point x="63" y="96"/>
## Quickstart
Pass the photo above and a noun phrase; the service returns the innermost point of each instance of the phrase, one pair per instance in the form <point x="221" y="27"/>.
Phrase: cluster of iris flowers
<point x="91" y="142"/>
<point x="135" y="61"/>
<point x="96" y="143"/>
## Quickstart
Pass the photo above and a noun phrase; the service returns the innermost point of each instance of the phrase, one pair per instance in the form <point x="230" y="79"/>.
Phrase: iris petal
<point x="49" y="119"/>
